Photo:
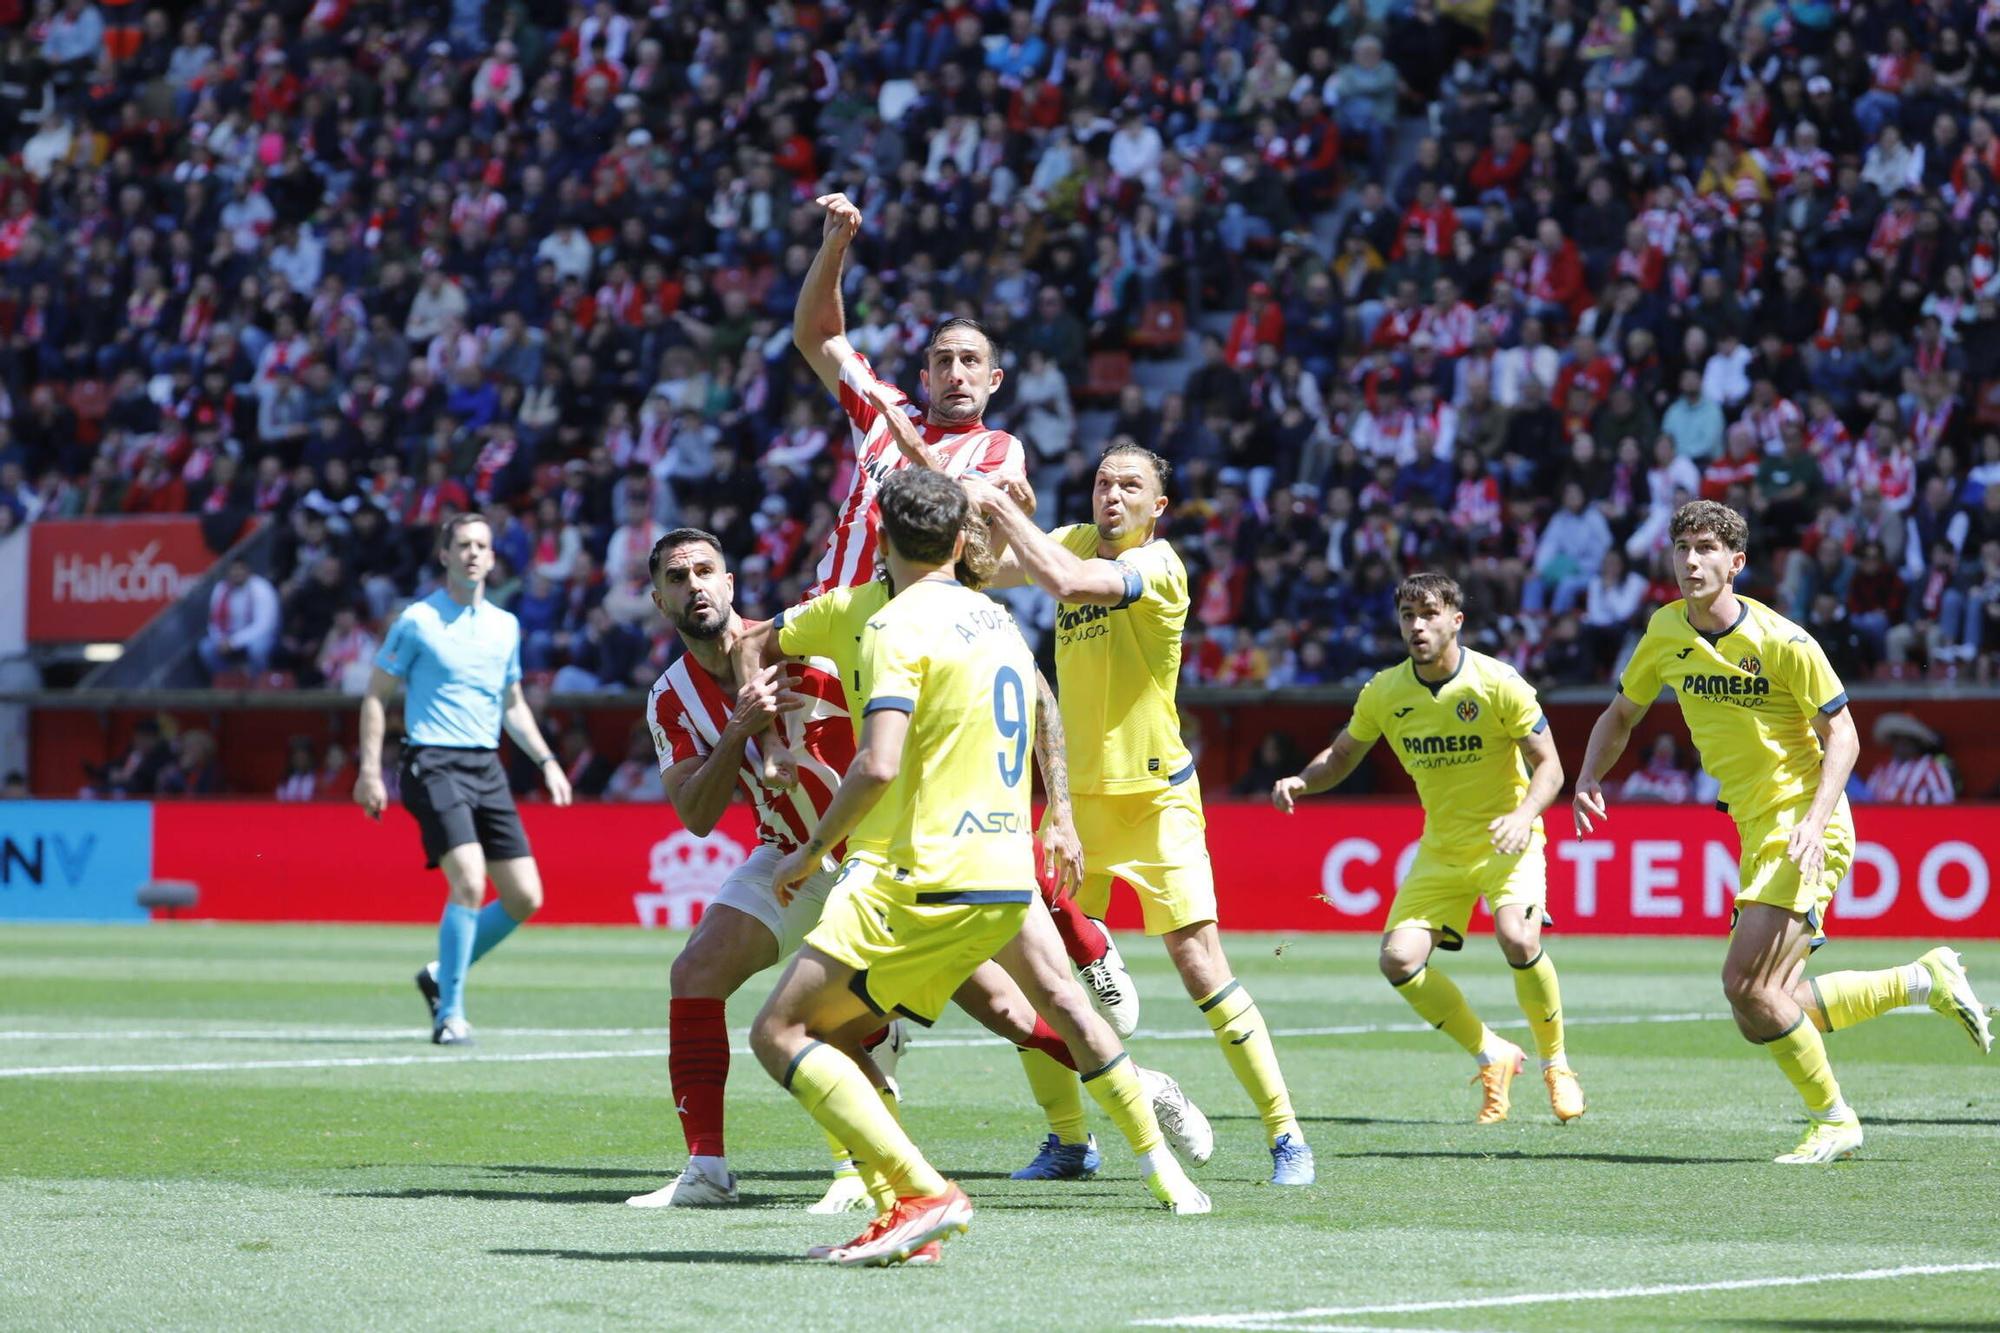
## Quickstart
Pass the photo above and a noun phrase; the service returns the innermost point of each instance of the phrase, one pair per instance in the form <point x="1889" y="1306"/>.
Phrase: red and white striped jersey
<point x="970" y="451"/>
<point x="687" y="711"/>
<point x="1925" y="780"/>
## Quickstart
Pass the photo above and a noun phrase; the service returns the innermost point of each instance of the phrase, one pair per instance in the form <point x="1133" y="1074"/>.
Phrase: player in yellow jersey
<point x="1026" y="993"/>
<point x="1123" y="602"/>
<point x="1770" y="718"/>
<point x="1471" y="733"/>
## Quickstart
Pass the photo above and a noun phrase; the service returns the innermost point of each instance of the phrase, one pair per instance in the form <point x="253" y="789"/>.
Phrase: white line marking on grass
<point x="646" y="1053"/>
<point x="1280" y="1319"/>
<point x="331" y="1062"/>
<point x="311" y="1034"/>
<point x="371" y="1034"/>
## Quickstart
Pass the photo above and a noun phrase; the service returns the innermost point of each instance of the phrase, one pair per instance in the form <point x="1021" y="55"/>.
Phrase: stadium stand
<point x="1484" y="287"/>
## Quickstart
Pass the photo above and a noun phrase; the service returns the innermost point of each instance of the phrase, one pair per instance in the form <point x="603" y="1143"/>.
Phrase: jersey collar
<point x="1742" y="614"/>
<point x="1436" y="686"/>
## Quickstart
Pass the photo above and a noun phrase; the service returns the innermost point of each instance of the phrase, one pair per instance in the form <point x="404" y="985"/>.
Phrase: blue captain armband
<point x="1135" y="585"/>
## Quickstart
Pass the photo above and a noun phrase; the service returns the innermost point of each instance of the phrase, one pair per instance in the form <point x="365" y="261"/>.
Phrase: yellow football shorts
<point x="912" y="947"/>
<point x="1155" y="841"/>
<point x="1439" y="894"/>
<point x="1766" y="874"/>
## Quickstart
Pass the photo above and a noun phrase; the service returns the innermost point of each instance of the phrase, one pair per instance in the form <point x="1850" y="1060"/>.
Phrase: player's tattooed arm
<point x="1062" y="850"/>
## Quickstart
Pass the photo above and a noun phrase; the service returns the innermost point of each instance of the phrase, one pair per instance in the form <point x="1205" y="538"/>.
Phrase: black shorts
<point x="459" y="797"/>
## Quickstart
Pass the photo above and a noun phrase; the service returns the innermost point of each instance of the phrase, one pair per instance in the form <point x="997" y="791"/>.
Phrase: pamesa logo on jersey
<point x="1468" y="711"/>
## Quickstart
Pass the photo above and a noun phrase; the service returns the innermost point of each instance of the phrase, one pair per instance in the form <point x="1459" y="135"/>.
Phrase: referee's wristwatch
<point x="546" y="760"/>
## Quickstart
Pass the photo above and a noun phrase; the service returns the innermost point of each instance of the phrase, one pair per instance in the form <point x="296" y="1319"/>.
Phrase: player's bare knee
<point x="1400" y="962"/>
<point x="696" y="976"/>
<point x="1519" y="945"/>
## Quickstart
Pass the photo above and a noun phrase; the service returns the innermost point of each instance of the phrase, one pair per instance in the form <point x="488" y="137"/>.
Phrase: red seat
<point x="1109" y="373"/>
<point x="1162" y="327"/>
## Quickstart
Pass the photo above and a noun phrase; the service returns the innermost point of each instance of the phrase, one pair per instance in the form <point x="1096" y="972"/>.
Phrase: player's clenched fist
<point x="843" y="219"/>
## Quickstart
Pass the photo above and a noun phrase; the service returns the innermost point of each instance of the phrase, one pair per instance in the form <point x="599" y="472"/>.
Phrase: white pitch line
<point x="310" y="1034"/>
<point x="371" y="1034"/>
<point x="648" y="1053"/>
<point x="1276" y="1320"/>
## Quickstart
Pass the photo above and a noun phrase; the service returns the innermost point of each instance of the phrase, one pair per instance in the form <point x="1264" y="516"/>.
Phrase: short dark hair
<point x="1696" y="516"/>
<point x="963" y="322"/>
<point x="922" y="513"/>
<point x="1163" y="471"/>
<point x="448" y="530"/>
<point x="679" y="537"/>
<point x="1431" y="587"/>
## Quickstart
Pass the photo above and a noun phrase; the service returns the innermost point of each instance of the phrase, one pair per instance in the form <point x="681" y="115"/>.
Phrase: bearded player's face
<point x="694" y="592"/>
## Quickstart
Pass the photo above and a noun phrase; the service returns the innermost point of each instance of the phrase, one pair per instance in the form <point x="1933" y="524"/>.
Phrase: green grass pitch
<point x="243" y="1127"/>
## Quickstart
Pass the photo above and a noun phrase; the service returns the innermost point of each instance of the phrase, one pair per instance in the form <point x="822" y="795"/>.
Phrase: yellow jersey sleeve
<point x="1366" y="723"/>
<point x="1810" y="677"/>
<point x="1520" y="711"/>
<point x="814" y="629"/>
<point x="1641" y="681"/>
<point x="1156" y="591"/>
<point x="893" y="663"/>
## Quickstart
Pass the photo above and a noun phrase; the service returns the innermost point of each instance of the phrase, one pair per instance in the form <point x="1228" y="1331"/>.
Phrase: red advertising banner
<point x="101" y="579"/>
<point x="1654" y="870"/>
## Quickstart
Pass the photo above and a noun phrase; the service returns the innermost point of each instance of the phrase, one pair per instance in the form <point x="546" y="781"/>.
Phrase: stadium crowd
<point x="1475" y="286"/>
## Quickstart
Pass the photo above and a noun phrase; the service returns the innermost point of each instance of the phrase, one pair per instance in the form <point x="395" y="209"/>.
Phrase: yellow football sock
<point x="1246" y="1044"/>
<point x="1847" y="998"/>
<point x="1117" y="1089"/>
<point x="1438" y="1000"/>
<point x="844" y="1164"/>
<point x="1801" y="1054"/>
<point x="1536" y="987"/>
<point x="1056" y="1092"/>
<point x="835" y="1093"/>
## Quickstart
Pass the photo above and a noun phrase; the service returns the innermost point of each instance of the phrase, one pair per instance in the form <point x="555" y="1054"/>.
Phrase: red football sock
<point x="698" y="1066"/>
<point x="1083" y="938"/>
<point x="1045" y="1040"/>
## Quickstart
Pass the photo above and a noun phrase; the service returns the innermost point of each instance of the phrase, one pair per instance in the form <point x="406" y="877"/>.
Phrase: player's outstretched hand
<point x="1511" y="832"/>
<point x="1588" y="806"/>
<point x="1019" y="491"/>
<point x="791" y="873"/>
<point x="1285" y="793"/>
<point x="557" y="782"/>
<point x="1807" y="850"/>
<point x="1062" y="860"/>
<point x="843" y="219"/>
<point x="371" y="795"/>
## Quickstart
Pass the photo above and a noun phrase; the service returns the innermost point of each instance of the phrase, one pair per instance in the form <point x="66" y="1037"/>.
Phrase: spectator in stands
<point x="242" y="621"/>
<point x="1277" y="757"/>
<point x="1567" y="554"/>
<point x="1662" y="778"/>
<point x="302" y="771"/>
<point x="193" y="771"/>
<point x="637" y="777"/>
<point x="1917" y="771"/>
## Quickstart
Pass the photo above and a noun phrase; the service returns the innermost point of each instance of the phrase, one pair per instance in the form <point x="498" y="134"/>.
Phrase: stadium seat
<point x="1162" y="328"/>
<point x="1109" y="373"/>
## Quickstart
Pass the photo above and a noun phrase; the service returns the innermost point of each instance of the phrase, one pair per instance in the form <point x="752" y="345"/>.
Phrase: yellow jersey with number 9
<point x="1749" y="695"/>
<point x="954" y="826"/>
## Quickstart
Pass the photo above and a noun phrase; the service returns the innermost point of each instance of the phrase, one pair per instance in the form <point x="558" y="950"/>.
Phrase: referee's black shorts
<point x="459" y="797"/>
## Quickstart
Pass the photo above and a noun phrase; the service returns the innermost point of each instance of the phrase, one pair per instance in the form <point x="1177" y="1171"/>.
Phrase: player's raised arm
<point x="1328" y="769"/>
<point x="1607" y="741"/>
<point x="1033" y="554"/>
<point x="819" y="322"/>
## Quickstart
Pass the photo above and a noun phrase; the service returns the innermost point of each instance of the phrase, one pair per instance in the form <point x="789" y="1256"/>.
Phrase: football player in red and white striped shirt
<point x="959" y="377"/>
<point x="709" y="723"/>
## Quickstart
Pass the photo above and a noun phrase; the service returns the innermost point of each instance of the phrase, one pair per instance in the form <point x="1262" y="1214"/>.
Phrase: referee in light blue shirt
<point x="460" y="657"/>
